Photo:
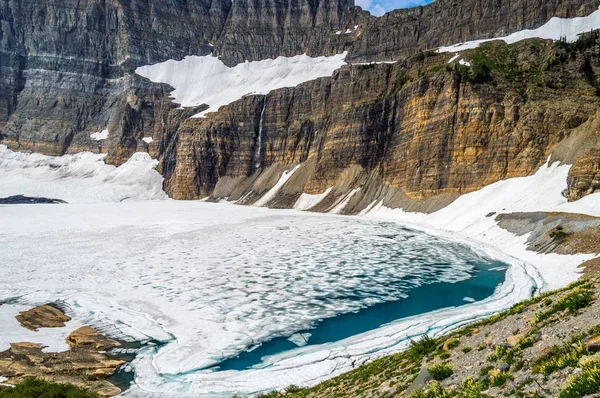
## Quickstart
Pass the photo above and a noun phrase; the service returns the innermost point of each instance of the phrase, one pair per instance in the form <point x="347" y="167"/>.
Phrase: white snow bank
<point x="341" y="205"/>
<point x="80" y="178"/>
<point x="207" y="80"/>
<point x="102" y="135"/>
<point x="307" y="201"/>
<point x="555" y="29"/>
<point x="473" y="216"/>
<point x="285" y="176"/>
<point x="454" y="58"/>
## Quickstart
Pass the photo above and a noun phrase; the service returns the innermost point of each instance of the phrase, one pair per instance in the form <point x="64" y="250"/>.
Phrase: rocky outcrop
<point x="45" y="316"/>
<point x="87" y="364"/>
<point x="446" y="22"/>
<point x="261" y="29"/>
<point x="412" y="130"/>
<point x="66" y="68"/>
<point x="584" y="176"/>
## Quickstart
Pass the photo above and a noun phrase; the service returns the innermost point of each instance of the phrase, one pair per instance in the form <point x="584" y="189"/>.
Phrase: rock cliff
<point x="414" y="131"/>
<point x="408" y="131"/>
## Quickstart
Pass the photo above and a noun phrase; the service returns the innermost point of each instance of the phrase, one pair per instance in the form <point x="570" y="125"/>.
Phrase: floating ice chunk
<point x="469" y="299"/>
<point x="207" y="80"/>
<point x="147" y="140"/>
<point x="102" y="135"/>
<point x="300" y="339"/>
<point x="273" y="191"/>
<point x="307" y="201"/>
<point x="555" y="29"/>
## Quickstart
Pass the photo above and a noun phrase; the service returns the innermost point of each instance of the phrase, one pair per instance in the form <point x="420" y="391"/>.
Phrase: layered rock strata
<point x="66" y="68"/>
<point x="418" y="132"/>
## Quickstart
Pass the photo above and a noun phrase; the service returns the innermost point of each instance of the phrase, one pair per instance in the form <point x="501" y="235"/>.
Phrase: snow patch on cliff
<point x="102" y="135"/>
<point x="308" y="201"/>
<point x="207" y="80"/>
<point x="555" y="29"/>
<point x="275" y="190"/>
<point x="79" y="178"/>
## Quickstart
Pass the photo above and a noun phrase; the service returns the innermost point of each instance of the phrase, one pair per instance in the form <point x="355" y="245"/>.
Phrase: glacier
<point x="209" y="281"/>
<point x="555" y="29"/>
<point x="199" y="80"/>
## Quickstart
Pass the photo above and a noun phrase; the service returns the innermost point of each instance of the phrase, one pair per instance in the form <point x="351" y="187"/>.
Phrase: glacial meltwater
<point x="240" y="299"/>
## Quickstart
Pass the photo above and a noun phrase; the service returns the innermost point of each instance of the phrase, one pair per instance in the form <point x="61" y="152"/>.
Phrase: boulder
<point x="593" y="345"/>
<point x="45" y="316"/>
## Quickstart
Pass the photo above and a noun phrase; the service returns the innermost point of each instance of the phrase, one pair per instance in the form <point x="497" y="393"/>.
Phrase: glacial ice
<point x="555" y="29"/>
<point x="207" y="80"/>
<point x="210" y="281"/>
<point x="79" y="178"/>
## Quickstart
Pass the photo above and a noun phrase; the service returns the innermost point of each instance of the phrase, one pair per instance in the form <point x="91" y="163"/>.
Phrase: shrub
<point x="36" y="388"/>
<point x="453" y="343"/>
<point x="468" y="389"/>
<point x="574" y="301"/>
<point x="466" y="350"/>
<point x="419" y="348"/>
<point x="559" y="358"/>
<point x="440" y="371"/>
<point x="498" y="377"/>
<point x="586" y="382"/>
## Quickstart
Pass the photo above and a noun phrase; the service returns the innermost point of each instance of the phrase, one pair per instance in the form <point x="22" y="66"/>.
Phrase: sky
<point x="380" y="7"/>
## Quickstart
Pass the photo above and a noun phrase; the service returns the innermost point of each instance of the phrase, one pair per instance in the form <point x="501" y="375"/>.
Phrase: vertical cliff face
<point x="66" y="67"/>
<point x="261" y="29"/>
<point x="422" y="128"/>
<point x="415" y="127"/>
<point x="446" y="22"/>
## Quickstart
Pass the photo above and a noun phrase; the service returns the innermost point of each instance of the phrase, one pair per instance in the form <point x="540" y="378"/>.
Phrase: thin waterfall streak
<point x="258" y="151"/>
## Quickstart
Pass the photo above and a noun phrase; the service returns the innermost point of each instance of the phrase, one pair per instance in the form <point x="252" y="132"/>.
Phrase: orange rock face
<point x="421" y="127"/>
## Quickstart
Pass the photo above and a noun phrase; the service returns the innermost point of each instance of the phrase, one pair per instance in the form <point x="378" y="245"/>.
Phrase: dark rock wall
<point x="66" y="71"/>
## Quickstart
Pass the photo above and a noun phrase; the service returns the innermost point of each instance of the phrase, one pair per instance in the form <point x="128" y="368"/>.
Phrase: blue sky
<point x="380" y="7"/>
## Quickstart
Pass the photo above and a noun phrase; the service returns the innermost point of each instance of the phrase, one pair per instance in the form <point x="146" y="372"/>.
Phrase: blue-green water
<point x="421" y="299"/>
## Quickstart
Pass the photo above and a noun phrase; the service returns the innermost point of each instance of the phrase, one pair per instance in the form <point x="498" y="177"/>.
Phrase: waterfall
<point x="258" y="150"/>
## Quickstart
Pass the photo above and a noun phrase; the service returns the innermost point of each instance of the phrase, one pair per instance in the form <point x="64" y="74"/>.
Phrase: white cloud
<point x="377" y="10"/>
<point x="364" y="4"/>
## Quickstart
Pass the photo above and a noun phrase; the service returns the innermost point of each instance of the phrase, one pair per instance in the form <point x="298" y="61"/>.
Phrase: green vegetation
<point x="573" y="301"/>
<point x="466" y="350"/>
<point x="585" y="42"/>
<point x="586" y="382"/>
<point x="419" y="348"/>
<point x="453" y="343"/>
<point x="559" y="358"/>
<point x="468" y="389"/>
<point x="440" y="371"/>
<point x="38" y="388"/>
<point x="499" y="378"/>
